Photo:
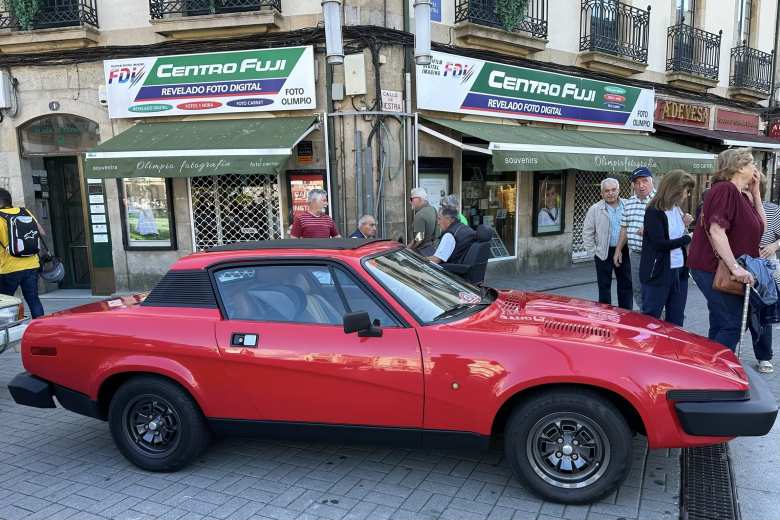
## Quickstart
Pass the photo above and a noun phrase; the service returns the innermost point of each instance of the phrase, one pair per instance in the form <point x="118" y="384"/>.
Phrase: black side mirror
<point x="361" y="323"/>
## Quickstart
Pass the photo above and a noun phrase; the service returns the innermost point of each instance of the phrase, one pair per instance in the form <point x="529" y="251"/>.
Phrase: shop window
<point x="549" y="198"/>
<point x="235" y="208"/>
<point x="490" y="198"/>
<point x="147" y="213"/>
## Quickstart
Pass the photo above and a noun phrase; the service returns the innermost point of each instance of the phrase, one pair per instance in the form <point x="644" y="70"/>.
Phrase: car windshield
<point x="425" y="289"/>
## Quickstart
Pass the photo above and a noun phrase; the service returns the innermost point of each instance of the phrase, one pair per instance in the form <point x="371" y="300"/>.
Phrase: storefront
<point x="531" y="174"/>
<point x="714" y="128"/>
<point x="230" y="165"/>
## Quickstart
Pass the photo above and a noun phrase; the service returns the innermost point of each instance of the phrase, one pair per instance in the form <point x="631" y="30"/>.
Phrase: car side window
<point x="281" y="293"/>
<point x="316" y="294"/>
<point x="357" y="299"/>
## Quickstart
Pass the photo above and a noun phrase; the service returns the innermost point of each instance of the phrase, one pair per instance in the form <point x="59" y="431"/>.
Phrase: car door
<point x="284" y="344"/>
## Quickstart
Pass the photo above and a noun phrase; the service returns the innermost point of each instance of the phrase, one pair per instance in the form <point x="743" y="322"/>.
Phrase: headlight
<point x="9" y="314"/>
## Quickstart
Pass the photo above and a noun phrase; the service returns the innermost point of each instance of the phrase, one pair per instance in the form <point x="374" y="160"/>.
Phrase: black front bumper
<point x="751" y="417"/>
<point x="30" y="390"/>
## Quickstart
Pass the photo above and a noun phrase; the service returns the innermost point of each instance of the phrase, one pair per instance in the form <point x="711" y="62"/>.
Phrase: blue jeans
<point x="762" y="342"/>
<point x="725" y="310"/>
<point x="671" y="295"/>
<point x="28" y="280"/>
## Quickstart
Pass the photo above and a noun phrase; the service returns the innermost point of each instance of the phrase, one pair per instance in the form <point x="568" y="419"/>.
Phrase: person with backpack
<point x="19" y="263"/>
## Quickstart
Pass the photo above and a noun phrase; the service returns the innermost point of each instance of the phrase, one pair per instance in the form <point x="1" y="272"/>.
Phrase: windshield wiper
<point x="452" y="311"/>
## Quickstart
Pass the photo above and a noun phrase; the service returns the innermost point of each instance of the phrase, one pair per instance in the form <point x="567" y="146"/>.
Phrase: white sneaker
<point x="765" y="367"/>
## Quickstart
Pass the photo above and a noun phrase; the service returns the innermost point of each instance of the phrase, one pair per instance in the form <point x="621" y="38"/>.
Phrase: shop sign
<point x="212" y="83"/>
<point x="305" y="152"/>
<point x="686" y="114"/>
<point x="774" y="129"/>
<point x="731" y="121"/>
<point x="464" y="85"/>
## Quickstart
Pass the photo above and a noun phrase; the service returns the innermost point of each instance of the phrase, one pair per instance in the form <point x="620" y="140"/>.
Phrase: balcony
<point x="197" y="19"/>
<point x="613" y="37"/>
<point x="692" y="57"/>
<point x="57" y="24"/>
<point x="750" y="76"/>
<point x="479" y="24"/>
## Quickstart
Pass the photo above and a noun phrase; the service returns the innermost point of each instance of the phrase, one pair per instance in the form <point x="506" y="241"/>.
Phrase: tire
<point x="156" y="424"/>
<point x="569" y="446"/>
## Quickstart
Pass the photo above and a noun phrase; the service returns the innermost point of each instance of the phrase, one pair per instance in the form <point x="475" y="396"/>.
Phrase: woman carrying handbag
<point x="730" y="226"/>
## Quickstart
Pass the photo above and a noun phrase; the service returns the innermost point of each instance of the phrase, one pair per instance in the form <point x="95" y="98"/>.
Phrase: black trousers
<point x="604" y="270"/>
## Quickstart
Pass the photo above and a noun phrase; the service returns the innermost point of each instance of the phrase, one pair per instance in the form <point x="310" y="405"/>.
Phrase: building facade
<point x="145" y="130"/>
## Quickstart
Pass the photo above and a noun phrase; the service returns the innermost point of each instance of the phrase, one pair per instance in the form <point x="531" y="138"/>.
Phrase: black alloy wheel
<point x="569" y="446"/>
<point x="156" y="424"/>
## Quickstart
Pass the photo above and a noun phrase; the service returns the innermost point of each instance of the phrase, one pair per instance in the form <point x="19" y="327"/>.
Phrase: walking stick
<point x="745" y="305"/>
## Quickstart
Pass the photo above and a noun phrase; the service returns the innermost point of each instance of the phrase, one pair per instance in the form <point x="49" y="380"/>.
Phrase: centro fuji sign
<point x="241" y="81"/>
<point x="454" y="83"/>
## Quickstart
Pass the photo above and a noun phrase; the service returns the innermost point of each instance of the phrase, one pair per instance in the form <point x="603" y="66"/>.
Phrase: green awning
<point x="528" y="148"/>
<point x="195" y="148"/>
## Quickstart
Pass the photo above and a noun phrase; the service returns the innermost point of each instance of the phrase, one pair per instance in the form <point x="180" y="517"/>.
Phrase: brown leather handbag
<point x="724" y="281"/>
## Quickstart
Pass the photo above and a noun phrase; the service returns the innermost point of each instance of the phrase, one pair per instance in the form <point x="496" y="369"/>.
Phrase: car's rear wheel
<point x="567" y="446"/>
<point x="156" y="425"/>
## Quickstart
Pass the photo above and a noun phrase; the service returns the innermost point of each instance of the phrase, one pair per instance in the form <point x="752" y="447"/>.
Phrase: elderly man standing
<point x="366" y="228"/>
<point x="632" y="224"/>
<point x="315" y="223"/>
<point x="455" y="239"/>
<point x="600" y="235"/>
<point x="424" y="226"/>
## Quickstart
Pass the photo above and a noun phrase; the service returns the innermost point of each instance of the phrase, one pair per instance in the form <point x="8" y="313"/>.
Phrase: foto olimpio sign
<point x="454" y="83"/>
<point x="220" y="82"/>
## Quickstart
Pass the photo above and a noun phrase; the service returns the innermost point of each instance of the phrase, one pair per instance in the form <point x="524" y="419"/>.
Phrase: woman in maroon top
<point x="735" y="225"/>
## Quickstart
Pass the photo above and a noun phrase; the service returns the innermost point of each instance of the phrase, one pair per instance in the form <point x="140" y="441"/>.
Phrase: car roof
<point x="298" y="243"/>
<point x="288" y="248"/>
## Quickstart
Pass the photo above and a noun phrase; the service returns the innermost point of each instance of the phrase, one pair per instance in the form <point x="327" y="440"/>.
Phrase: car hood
<point x="586" y="322"/>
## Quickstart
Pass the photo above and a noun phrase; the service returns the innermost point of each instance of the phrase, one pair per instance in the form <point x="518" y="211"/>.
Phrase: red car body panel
<point x="453" y="376"/>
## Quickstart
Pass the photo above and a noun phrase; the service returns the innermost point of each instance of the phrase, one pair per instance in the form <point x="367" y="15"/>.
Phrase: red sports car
<point x="366" y="341"/>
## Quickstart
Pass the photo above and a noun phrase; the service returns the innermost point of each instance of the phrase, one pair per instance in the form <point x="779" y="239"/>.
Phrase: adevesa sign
<point x="454" y="83"/>
<point x="241" y="81"/>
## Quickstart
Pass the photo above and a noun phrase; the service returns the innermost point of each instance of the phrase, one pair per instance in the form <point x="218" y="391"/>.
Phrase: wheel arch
<point x="625" y="407"/>
<point x="110" y="385"/>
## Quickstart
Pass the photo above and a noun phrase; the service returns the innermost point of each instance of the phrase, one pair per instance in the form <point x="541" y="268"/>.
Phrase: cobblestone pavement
<point x="55" y="465"/>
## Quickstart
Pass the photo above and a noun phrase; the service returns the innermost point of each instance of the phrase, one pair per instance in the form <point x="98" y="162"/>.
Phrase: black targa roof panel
<point x="300" y="243"/>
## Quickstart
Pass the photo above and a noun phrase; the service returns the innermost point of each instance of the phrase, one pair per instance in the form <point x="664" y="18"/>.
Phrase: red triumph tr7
<point x="363" y="340"/>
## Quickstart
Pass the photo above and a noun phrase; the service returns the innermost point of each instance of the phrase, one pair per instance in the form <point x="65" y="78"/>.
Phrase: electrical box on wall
<point x="6" y="89"/>
<point x="355" y="74"/>
<point x="102" y="95"/>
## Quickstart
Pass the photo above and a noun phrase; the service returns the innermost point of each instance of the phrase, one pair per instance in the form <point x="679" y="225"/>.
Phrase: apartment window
<point x="686" y="11"/>
<point x="745" y="19"/>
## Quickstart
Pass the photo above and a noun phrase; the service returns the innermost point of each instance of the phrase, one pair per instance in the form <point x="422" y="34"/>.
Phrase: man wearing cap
<point x="631" y="226"/>
<point x="424" y="226"/>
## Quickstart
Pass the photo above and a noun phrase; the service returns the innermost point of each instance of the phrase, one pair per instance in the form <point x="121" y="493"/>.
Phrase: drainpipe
<point x="773" y="97"/>
<point x="333" y="183"/>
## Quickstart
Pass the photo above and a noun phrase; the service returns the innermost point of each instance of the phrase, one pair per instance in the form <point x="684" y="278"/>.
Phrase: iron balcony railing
<point x="615" y="28"/>
<point x="750" y="68"/>
<point x="159" y="9"/>
<point x="483" y="12"/>
<point x="53" y="13"/>
<point x="693" y="51"/>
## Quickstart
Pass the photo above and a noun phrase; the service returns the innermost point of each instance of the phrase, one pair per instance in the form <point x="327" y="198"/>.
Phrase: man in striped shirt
<point x="315" y="223"/>
<point x="632" y="224"/>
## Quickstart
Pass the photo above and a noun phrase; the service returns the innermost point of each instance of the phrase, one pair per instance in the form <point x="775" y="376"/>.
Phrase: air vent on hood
<point x="576" y="328"/>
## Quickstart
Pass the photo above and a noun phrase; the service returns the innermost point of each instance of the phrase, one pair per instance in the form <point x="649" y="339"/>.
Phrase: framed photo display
<point x="549" y="203"/>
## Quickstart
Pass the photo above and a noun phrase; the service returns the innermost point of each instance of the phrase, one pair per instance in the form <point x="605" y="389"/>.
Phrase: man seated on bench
<point x="456" y="238"/>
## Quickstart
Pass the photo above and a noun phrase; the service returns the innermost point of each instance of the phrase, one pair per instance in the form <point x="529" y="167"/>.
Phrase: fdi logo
<point x="458" y="70"/>
<point x="121" y="74"/>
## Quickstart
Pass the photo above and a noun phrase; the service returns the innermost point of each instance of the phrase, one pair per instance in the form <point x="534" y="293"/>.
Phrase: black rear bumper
<point x="751" y="417"/>
<point x="30" y="390"/>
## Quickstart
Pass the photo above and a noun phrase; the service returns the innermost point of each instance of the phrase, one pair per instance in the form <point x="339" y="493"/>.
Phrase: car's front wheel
<point x="570" y="447"/>
<point x="156" y="425"/>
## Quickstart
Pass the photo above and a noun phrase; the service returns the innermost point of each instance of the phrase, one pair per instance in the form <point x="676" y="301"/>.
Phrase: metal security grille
<point x="587" y="192"/>
<point x="234" y="208"/>
<point x="707" y="484"/>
